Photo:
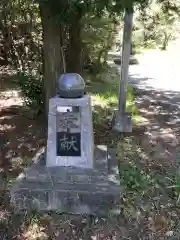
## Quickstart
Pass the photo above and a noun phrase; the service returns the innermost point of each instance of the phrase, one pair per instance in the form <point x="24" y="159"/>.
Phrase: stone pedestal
<point x="73" y="190"/>
<point x="76" y="123"/>
<point x="71" y="176"/>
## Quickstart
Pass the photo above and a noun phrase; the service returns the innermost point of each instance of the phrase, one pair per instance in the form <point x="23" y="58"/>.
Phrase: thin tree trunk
<point x="108" y="44"/>
<point x="5" y="32"/>
<point x="165" y="41"/>
<point x="52" y="59"/>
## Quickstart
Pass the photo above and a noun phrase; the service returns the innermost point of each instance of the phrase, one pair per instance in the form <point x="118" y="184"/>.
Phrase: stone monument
<point x="70" y="132"/>
<point x="71" y="175"/>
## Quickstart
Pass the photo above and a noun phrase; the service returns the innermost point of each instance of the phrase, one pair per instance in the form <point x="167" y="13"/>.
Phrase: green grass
<point x="104" y="87"/>
<point x="107" y="95"/>
<point x="105" y="102"/>
<point x="174" y="184"/>
<point x="146" y="192"/>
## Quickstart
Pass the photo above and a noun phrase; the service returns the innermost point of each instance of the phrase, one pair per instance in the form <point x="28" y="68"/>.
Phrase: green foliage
<point x="135" y="179"/>
<point x="166" y="23"/>
<point x="156" y="24"/>
<point x="104" y="93"/>
<point x="20" y="35"/>
<point x="31" y="88"/>
<point x="65" y="10"/>
<point x="175" y="185"/>
<point x="108" y="90"/>
<point x="97" y="36"/>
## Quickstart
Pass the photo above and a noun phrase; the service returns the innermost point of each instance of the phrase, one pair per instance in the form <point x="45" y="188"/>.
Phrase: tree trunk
<point x="74" y="47"/>
<point x="109" y="42"/>
<point x="52" y="58"/>
<point x="5" y="31"/>
<point x="165" y="41"/>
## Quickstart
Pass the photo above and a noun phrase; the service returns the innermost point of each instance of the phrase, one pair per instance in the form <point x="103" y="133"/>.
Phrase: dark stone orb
<point x="70" y="85"/>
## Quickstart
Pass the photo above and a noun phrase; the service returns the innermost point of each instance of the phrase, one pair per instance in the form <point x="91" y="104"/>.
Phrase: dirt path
<point x="161" y="139"/>
<point x="20" y="136"/>
<point x="159" y="102"/>
<point x="156" y="82"/>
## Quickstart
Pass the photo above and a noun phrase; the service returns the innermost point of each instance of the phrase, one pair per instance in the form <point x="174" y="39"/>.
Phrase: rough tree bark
<point x="52" y="57"/>
<point x="74" y="46"/>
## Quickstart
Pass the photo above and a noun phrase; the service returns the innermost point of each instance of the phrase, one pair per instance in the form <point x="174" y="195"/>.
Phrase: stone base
<point x="122" y="123"/>
<point x="132" y="61"/>
<point x="69" y="189"/>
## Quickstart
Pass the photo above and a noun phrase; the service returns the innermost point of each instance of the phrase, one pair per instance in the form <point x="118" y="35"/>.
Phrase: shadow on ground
<point x="21" y="137"/>
<point x="157" y="137"/>
<point x="152" y="146"/>
<point x="6" y="82"/>
<point x="162" y="112"/>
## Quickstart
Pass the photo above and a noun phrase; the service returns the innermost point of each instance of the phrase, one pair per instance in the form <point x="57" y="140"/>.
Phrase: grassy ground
<point x="149" y="203"/>
<point x="151" y="198"/>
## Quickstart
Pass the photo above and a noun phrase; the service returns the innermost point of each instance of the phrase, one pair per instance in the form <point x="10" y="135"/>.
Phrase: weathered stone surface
<point x="69" y="189"/>
<point x="122" y="122"/>
<point x="86" y="157"/>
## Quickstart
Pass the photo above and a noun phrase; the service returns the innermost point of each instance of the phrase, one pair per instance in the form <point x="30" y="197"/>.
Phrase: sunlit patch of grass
<point x="32" y="228"/>
<point x="108" y="94"/>
<point x="104" y="89"/>
<point x="35" y="231"/>
<point x="108" y="98"/>
<point x="175" y="186"/>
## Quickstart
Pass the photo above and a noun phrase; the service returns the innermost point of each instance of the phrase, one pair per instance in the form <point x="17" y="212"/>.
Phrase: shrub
<point x="135" y="179"/>
<point x="31" y="88"/>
